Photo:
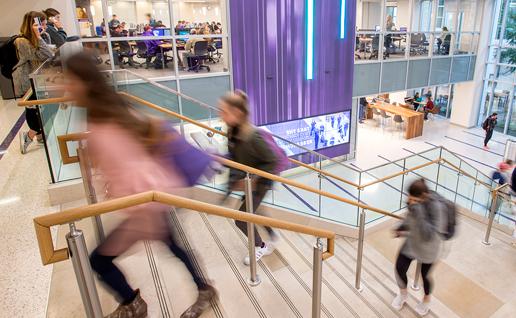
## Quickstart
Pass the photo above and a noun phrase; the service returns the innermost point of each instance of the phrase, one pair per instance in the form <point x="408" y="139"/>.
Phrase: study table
<point x="414" y="120"/>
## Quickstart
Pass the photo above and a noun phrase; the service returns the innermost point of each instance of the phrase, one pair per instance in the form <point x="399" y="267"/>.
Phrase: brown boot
<point x="136" y="309"/>
<point x="206" y="294"/>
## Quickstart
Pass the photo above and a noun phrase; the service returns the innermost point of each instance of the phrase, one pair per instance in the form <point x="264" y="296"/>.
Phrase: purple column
<point x="269" y="59"/>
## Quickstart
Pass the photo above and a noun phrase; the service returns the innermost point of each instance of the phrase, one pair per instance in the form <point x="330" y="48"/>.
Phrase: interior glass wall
<point x="158" y="39"/>
<point x="399" y="29"/>
<point x="500" y="76"/>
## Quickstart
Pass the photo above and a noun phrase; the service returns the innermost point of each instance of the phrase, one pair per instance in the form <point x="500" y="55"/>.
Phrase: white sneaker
<point x="422" y="308"/>
<point x="25" y="141"/>
<point x="260" y="252"/>
<point x="399" y="301"/>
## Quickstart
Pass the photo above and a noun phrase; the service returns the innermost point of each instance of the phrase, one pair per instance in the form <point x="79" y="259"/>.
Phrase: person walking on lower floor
<point x="489" y="125"/>
<point x="422" y="243"/>
<point x="247" y="146"/>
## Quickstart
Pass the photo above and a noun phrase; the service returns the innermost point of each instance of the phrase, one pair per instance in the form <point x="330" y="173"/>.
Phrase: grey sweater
<point x="29" y="58"/>
<point x="424" y="223"/>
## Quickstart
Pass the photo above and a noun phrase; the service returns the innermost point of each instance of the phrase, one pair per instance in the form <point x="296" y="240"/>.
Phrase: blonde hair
<point x="26" y="29"/>
<point x="238" y="100"/>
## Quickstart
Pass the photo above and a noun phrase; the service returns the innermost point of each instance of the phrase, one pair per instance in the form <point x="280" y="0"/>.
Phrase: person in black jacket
<point x="55" y="28"/>
<point x="489" y="126"/>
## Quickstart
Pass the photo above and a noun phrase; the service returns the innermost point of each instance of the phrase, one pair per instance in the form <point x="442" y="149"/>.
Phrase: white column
<point x="468" y="95"/>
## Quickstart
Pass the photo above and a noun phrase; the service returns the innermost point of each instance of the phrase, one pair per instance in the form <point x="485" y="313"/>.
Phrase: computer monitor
<point x="377" y="28"/>
<point x="158" y="32"/>
<point x="167" y="32"/>
<point x="183" y="32"/>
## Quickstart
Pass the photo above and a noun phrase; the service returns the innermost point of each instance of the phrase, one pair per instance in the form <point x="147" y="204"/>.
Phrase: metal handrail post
<point x="317" y="279"/>
<point x="89" y="189"/>
<point x="254" y="279"/>
<point x="492" y="213"/>
<point x="415" y="284"/>
<point x="360" y="250"/>
<point x="83" y="273"/>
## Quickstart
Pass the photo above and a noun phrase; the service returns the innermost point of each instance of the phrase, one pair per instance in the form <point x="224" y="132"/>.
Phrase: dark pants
<point x="115" y="279"/>
<point x="489" y="134"/>
<point x="402" y="266"/>
<point x="32" y="117"/>
<point x="258" y="196"/>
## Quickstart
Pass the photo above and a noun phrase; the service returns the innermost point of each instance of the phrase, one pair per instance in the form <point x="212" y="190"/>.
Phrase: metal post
<point x="89" y="190"/>
<point x="81" y="265"/>
<point x="415" y="284"/>
<point x="317" y="279"/>
<point x="360" y="250"/>
<point x="492" y="214"/>
<point x="254" y="279"/>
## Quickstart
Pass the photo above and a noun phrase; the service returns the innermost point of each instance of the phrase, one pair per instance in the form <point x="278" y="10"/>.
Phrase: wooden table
<point x="414" y="120"/>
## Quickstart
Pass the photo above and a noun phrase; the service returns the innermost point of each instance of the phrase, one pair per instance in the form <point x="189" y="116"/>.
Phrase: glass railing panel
<point x="336" y="210"/>
<point x="292" y="198"/>
<point x="428" y="172"/>
<point x="384" y="195"/>
<point x="447" y="180"/>
<point x="482" y="196"/>
<point x="466" y="186"/>
<point x="505" y="212"/>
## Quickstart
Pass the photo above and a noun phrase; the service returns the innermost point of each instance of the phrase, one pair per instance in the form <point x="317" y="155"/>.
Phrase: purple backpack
<point x="281" y="157"/>
<point x="179" y="154"/>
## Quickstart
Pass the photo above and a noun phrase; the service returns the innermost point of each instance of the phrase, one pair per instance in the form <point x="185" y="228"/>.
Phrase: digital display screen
<point x="313" y="133"/>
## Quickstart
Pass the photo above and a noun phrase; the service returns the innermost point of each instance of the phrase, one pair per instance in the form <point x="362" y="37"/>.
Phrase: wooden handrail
<point x="398" y="174"/>
<point x="46" y="101"/>
<point x="63" y="147"/>
<point x="50" y="255"/>
<point x="26" y="96"/>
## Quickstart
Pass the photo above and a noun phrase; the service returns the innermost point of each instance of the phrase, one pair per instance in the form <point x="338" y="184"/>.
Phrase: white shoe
<point x="25" y="141"/>
<point x="422" y="308"/>
<point x="260" y="252"/>
<point x="399" y="301"/>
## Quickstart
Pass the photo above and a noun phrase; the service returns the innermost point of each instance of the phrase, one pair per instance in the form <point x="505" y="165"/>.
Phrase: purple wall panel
<point x="269" y="52"/>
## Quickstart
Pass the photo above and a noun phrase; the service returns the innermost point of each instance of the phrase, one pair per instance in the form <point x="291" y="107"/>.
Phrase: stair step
<point x="365" y="303"/>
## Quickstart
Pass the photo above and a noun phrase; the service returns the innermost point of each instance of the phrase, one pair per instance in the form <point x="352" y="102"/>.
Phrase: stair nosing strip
<point x="177" y="224"/>
<point x="157" y="280"/>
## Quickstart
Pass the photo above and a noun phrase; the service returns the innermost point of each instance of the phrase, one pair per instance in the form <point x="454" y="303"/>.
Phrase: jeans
<point x="115" y="279"/>
<point x="489" y="134"/>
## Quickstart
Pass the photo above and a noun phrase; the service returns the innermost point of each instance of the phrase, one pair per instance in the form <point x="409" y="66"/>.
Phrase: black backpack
<point x="8" y="57"/>
<point x="485" y="123"/>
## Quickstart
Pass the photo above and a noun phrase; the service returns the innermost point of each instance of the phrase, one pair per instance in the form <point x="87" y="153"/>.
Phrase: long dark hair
<point x="102" y="102"/>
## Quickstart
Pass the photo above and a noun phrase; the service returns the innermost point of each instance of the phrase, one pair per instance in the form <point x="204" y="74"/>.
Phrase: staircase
<point x="218" y="248"/>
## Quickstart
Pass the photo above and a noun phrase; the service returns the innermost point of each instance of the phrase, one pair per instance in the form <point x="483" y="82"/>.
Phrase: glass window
<point x="100" y="52"/>
<point x="422" y="15"/>
<point x="511" y="130"/>
<point x="197" y="54"/>
<point x="441" y="99"/>
<point x="446" y="15"/>
<point x="198" y="15"/>
<point x="464" y="44"/>
<point x="129" y="18"/>
<point x="469" y="14"/>
<point x="442" y="42"/>
<point x="369" y="15"/>
<point x="90" y="18"/>
<point x="510" y="25"/>
<point x="419" y="44"/>
<point x="395" y="45"/>
<point x="367" y="46"/>
<point x="500" y="103"/>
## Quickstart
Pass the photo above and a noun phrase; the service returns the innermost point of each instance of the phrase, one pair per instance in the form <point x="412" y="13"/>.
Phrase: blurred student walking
<point x="118" y="144"/>
<point x="421" y="227"/>
<point x="247" y="146"/>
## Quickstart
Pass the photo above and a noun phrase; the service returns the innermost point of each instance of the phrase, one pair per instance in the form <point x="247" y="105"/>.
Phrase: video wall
<point x="314" y="133"/>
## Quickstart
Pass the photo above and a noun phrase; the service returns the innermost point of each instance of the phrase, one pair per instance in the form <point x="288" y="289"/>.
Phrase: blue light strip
<point x="309" y="39"/>
<point x="343" y="19"/>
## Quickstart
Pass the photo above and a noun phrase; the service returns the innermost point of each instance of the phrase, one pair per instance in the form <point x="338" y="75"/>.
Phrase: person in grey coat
<point x="421" y="228"/>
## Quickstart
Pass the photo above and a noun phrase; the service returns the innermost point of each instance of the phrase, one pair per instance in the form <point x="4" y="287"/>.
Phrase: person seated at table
<point x="153" y="49"/>
<point x="189" y="49"/>
<point x="429" y="106"/>
<point x="418" y="101"/>
<point x="124" y="31"/>
<point x="122" y="49"/>
<point x="160" y="24"/>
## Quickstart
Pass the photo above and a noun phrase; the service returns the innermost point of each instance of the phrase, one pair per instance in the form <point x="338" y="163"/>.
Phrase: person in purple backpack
<point x="246" y="145"/>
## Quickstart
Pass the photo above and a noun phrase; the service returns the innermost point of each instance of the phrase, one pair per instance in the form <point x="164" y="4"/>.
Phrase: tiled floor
<point x="24" y="178"/>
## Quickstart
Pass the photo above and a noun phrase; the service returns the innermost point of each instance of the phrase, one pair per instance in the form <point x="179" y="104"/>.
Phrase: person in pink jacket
<point x="119" y="145"/>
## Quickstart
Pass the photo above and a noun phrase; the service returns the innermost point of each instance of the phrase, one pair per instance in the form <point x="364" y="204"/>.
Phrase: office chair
<point x="124" y="54"/>
<point x="200" y="54"/>
<point x="377" y="113"/>
<point x="143" y="53"/>
<point x="214" y="53"/>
